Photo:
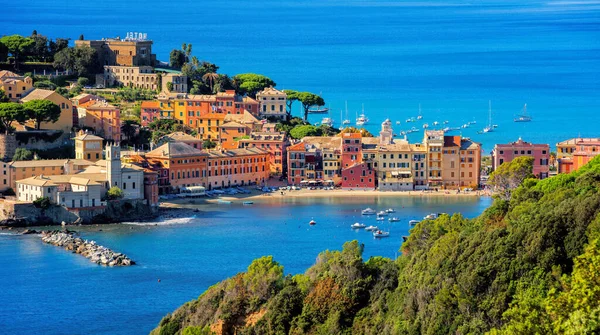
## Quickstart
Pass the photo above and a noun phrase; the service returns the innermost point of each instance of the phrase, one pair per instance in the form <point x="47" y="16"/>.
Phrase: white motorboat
<point x="380" y="233"/>
<point x="431" y="216"/>
<point x="446" y="122"/>
<point x="390" y="210"/>
<point x="368" y="211"/>
<point x="382" y="213"/>
<point x="312" y="222"/>
<point x="380" y="218"/>
<point x="327" y="121"/>
<point x="358" y="225"/>
<point x="413" y="222"/>
<point x="435" y="123"/>
<point x="221" y="201"/>
<point x="394" y="219"/>
<point x="371" y="228"/>
<point x="346" y="122"/>
<point x="362" y="119"/>
<point x="426" y="125"/>
<point x="248" y="202"/>
<point x="398" y="123"/>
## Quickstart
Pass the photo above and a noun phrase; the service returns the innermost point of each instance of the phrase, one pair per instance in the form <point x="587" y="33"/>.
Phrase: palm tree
<point x="210" y="77"/>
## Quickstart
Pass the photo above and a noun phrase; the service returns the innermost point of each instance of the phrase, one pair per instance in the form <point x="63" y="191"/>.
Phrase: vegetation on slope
<point x="528" y="265"/>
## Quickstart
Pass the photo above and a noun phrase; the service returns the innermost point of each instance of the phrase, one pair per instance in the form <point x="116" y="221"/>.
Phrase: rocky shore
<point x="89" y="249"/>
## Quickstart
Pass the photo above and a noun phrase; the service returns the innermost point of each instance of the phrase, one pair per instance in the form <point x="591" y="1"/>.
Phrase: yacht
<point x="380" y="233"/>
<point x="413" y="222"/>
<point x="362" y="119"/>
<point x="425" y="126"/>
<point x="371" y="228"/>
<point x="368" y="211"/>
<point x="394" y="219"/>
<point x="489" y="127"/>
<point x="327" y="121"/>
<point x="419" y="117"/>
<point x="390" y="210"/>
<point x="382" y="213"/>
<point x="380" y="218"/>
<point x="248" y="202"/>
<point x="346" y="121"/>
<point x="445" y="122"/>
<point x="431" y="216"/>
<point x="435" y="123"/>
<point x="398" y="123"/>
<point x="312" y="222"/>
<point x="318" y="110"/>
<point x="358" y="225"/>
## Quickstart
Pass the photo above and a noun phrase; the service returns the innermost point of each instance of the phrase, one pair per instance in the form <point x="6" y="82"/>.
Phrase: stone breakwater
<point x="89" y="249"/>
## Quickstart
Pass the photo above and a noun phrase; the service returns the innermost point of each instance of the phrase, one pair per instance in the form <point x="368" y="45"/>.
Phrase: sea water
<point x="48" y="290"/>
<point x="452" y="57"/>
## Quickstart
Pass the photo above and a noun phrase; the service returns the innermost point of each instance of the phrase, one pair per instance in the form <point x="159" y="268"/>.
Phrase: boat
<point x="435" y="123"/>
<point x="358" y="225"/>
<point x="523" y="117"/>
<point x="380" y="233"/>
<point x="327" y="121"/>
<point x="221" y="201"/>
<point x="318" y="110"/>
<point x="490" y="127"/>
<point x="382" y="213"/>
<point x="466" y="125"/>
<point x="425" y="126"/>
<point x="413" y="222"/>
<point x="346" y="121"/>
<point x="312" y="222"/>
<point x="371" y="228"/>
<point x="408" y="120"/>
<point x="394" y="219"/>
<point x="445" y="122"/>
<point x="390" y="210"/>
<point x="419" y="117"/>
<point x="380" y="218"/>
<point x="368" y="211"/>
<point x="398" y="122"/>
<point x="362" y="119"/>
<point x="431" y="216"/>
<point x="248" y="202"/>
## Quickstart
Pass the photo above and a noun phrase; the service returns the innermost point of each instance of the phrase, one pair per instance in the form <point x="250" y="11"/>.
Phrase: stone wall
<point x="43" y="139"/>
<point x="13" y="213"/>
<point x="8" y="146"/>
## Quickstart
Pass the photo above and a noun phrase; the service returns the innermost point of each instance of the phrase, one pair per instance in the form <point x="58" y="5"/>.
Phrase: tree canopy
<point x="11" y="112"/>
<point x="17" y="45"/>
<point x="509" y="175"/>
<point x="82" y="60"/>
<point x="22" y="154"/>
<point x="251" y="83"/>
<point x="115" y="193"/>
<point x="291" y="97"/>
<point x="309" y="99"/>
<point x="42" y="111"/>
<point x="176" y="58"/>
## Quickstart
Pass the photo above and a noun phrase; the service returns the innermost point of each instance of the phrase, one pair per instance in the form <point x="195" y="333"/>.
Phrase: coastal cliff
<point x="528" y="265"/>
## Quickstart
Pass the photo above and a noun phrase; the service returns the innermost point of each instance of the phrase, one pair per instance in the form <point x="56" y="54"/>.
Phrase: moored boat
<point x="368" y="211"/>
<point x="380" y="218"/>
<point x="394" y="219"/>
<point x="380" y="233"/>
<point x="413" y="222"/>
<point x="382" y="213"/>
<point x="390" y="210"/>
<point x="358" y="225"/>
<point x="371" y="228"/>
<point x="248" y="202"/>
<point x="312" y="222"/>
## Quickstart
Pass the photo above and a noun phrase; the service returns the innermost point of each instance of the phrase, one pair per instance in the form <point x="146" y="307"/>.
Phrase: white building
<point x="272" y="103"/>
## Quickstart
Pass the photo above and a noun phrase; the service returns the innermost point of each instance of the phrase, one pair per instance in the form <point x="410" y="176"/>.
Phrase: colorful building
<point x="540" y="153"/>
<point x="15" y="87"/>
<point x="122" y="51"/>
<point x="88" y="146"/>
<point x="186" y="165"/>
<point x="149" y="112"/>
<point x="461" y="163"/>
<point x="272" y="103"/>
<point x="358" y="176"/>
<point x="574" y="153"/>
<point x="26" y="169"/>
<point x="275" y="143"/>
<point x="101" y="116"/>
<point x="434" y="142"/>
<point x="237" y="167"/>
<point x="182" y="137"/>
<point x="65" y="121"/>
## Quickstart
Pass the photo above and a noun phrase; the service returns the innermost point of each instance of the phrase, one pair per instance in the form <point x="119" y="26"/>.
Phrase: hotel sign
<point x="133" y="36"/>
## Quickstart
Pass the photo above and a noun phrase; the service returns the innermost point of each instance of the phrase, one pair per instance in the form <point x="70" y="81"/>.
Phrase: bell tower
<point x="113" y="166"/>
<point x="386" y="134"/>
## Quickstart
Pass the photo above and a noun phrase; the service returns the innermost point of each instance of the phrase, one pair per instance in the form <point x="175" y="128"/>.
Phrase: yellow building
<point x="26" y="169"/>
<point x="434" y="142"/>
<point x="88" y="146"/>
<point x="15" y="87"/>
<point x="272" y="103"/>
<point x="65" y="121"/>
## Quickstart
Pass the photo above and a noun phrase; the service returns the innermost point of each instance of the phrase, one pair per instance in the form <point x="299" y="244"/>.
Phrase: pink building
<point x="507" y="152"/>
<point x="149" y="111"/>
<point x="351" y="149"/>
<point x="358" y="176"/>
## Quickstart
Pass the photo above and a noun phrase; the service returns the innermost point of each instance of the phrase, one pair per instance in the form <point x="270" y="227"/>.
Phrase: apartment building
<point x="540" y="153"/>
<point x="275" y="143"/>
<point x="101" y="116"/>
<point x="574" y="153"/>
<point x="237" y="167"/>
<point x="186" y="166"/>
<point x="14" y="86"/>
<point x="272" y="103"/>
<point x="65" y="121"/>
<point x="461" y="163"/>
<point x="434" y="142"/>
<point x="88" y="147"/>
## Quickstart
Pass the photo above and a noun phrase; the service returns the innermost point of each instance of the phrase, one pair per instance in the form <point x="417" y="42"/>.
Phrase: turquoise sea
<point x="48" y="290"/>
<point x="450" y="56"/>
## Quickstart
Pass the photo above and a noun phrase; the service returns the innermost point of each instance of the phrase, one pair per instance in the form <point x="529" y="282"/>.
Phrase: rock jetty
<point x="89" y="249"/>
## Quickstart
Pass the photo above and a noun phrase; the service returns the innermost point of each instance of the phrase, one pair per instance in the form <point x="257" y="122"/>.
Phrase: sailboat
<point x="524" y="116"/>
<point x="346" y="121"/>
<point x="419" y="117"/>
<point x="362" y="120"/>
<point x="489" y="127"/>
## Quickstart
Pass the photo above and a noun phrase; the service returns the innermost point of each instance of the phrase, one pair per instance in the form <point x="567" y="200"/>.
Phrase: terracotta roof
<point x="236" y="152"/>
<point x="175" y="149"/>
<point x="38" y="94"/>
<point x="7" y="74"/>
<point x="49" y="162"/>
<point x="467" y="144"/>
<point x="451" y="141"/>
<point x="332" y="142"/>
<point x="82" y="181"/>
<point x="397" y="145"/>
<point x="181" y="136"/>
<point x="271" y="91"/>
<point x="245" y="117"/>
<point x="297" y="147"/>
<point x="88" y="137"/>
<point x="37" y="181"/>
<point x="232" y="124"/>
<point x="150" y="104"/>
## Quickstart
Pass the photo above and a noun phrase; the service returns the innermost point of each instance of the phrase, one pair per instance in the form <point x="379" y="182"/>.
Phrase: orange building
<point x="351" y="149"/>
<point x="186" y="165"/>
<point x="230" y="133"/>
<point x="237" y="167"/>
<point x="574" y="153"/>
<point x="15" y="87"/>
<point x="461" y="162"/>
<point x="275" y="143"/>
<point x="103" y="117"/>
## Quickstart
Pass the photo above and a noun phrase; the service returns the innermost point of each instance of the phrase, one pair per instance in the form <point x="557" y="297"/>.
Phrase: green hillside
<point x="528" y="265"/>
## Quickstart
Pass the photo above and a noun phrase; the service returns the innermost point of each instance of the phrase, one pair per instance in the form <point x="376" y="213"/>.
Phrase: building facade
<point x="65" y="121"/>
<point x="237" y="167"/>
<point x="15" y="87"/>
<point x="273" y="103"/>
<point x="122" y="52"/>
<point x="540" y="153"/>
<point x="185" y="166"/>
<point x="574" y="153"/>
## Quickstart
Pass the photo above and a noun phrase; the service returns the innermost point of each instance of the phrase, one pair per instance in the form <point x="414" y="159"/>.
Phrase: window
<point x="133" y="186"/>
<point x="124" y="186"/>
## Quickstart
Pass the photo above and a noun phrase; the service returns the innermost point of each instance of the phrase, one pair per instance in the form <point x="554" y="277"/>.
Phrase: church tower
<point x="386" y="134"/>
<point x="113" y="166"/>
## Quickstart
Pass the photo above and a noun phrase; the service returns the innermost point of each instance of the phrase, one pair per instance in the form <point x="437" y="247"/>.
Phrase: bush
<point x="83" y="81"/>
<point x="43" y="202"/>
<point x="114" y="193"/>
<point x="22" y="154"/>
